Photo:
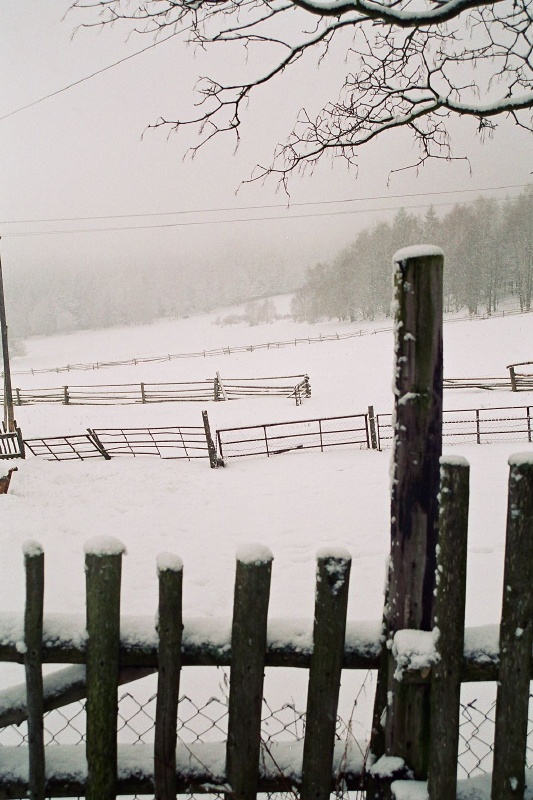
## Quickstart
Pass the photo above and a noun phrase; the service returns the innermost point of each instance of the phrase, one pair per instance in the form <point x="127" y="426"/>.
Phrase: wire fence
<point x="473" y="425"/>
<point x="208" y="722"/>
<point x="282" y="437"/>
<point x="222" y="351"/>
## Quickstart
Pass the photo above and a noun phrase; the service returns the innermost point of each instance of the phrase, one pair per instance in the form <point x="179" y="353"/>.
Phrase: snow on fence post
<point x="169" y="628"/>
<point x="333" y="576"/>
<point x="512" y="376"/>
<point x="401" y="714"/>
<point x="66" y="397"/>
<point x="103" y="567"/>
<point x="449" y="621"/>
<point x="248" y="652"/>
<point x="516" y="636"/>
<point x="33" y="642"/>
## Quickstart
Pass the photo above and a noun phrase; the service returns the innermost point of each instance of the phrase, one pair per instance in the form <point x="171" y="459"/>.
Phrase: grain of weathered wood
<point x="33" y="638"/>
<point x="415" y="486"/>
<point x="103" y="574"/>
<point x="516" y="636"/>
<point x="248" y="650"/>
<point x="170" y="627"/>
<point x="333" y="574"/>
<point x="449" y="622"/>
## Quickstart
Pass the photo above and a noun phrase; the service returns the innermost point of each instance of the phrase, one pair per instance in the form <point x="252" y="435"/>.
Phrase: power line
<point x="258" y="207"/>
<point x="92" y="75"/>
<point x="191" y="223"/>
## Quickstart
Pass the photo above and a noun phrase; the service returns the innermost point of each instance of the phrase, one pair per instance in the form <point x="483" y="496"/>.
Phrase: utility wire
<point x="191" y="223"/>
<point x="260" y="207"/>
<point x="92" y="75"/>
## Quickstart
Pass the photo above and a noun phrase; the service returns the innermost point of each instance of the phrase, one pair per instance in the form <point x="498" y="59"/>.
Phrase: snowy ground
<point x="294" y="503"/>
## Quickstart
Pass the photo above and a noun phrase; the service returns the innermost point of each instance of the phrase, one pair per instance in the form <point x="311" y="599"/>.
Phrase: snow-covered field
<point x="294" y="503"/>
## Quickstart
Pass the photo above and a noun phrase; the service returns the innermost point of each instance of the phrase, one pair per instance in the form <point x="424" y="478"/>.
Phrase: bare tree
<point x="409" y="64"/>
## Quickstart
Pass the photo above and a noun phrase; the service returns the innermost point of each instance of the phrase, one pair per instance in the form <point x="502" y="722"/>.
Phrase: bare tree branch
<point x="409" y="65"/>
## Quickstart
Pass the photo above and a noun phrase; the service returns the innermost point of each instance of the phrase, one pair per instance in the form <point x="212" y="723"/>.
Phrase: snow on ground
<point x="294" y="504"/>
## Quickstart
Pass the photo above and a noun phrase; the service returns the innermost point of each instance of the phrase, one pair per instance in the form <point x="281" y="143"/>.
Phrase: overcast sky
<point x="80" y="153"/>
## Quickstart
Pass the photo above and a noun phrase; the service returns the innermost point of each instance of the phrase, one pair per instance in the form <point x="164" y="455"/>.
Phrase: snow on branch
<point x="409" y="65"/>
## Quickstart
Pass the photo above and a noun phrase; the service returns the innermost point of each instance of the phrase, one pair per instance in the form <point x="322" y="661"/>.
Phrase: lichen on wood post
<point x="403" y="711"/>
<point x="516" y="636"/>
<point x="333" y="575"/>
<point x="248" y="652"/>
<point x="449" y="621"/>
<point x="103" y="567"/>
<point x="33" y="642"/>
<point x="169" y="628"/>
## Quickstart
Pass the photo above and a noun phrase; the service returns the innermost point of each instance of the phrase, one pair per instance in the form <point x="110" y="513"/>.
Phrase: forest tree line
<point x="488" y="256"/>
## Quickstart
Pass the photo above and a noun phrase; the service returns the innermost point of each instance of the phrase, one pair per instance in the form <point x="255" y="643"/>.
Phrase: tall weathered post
<point x="401" y="719"/>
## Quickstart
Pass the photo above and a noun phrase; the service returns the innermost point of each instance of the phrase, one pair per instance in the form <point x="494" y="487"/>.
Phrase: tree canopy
<point x="409" y="64"/>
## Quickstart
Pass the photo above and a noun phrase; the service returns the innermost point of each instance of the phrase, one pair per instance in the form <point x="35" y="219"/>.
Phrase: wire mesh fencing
<point x="473" y="425"/>
<point x="207" y="721"/>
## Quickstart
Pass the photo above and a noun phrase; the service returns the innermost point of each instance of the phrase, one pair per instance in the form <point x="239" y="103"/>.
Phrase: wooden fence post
<point x="248" y="651"/>
<point x="66" y="397"/>
<point x="449" y="621"/>
<point x="143" y="394"/>
<point x="401" y="713"/>
<point x="103" y="566"/>
<point x="169" y="628"/>
<point x="513" y="378"/>
<point x="372" y="426"/>
<point x="211" y="449"/>
<point x="33" y="641"/>
<point x="516" y="636"/>
<point x="333" y="575"/>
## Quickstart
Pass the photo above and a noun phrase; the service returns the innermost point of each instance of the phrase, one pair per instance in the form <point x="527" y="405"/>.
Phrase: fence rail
<point x="200" y="391"/>
<point x="282" y="437"/>
<point x="521" y="381"/>
<point x="250" y="348"/>
<point x="473" y="425"/>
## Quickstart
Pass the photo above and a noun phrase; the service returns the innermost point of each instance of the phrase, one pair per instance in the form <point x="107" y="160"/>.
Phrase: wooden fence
<point x="216" y="389"/>
<point x="436" y="662"/>
<point x="521" y="381"/>
<point x="419" y="651"/>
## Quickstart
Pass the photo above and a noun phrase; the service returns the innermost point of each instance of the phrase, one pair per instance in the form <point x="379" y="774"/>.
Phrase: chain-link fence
<point x="200" y="722"/>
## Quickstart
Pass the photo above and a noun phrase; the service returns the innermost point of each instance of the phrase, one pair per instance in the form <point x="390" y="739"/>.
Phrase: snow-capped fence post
<point x="401" y="716"/>
<point x="103" y="567"/>
<point x="516" y="636"/>
<point x="333" y="576"/>
<point x="248" y="652"/>
<point x="33" y="642"/>
<point x="169" y="628"/>
<point x="449" y="621"/>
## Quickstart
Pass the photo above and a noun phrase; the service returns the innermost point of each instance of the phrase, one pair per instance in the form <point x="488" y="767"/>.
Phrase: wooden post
<point x="516" y="636"/>
<point x="9" y="414"/>
<point x="103" y="566"/>
<point x="33" y="641"/>
<point x="478" y="428"/>
<point x="221" y="389"/>
<point x="65" y="395"/>
<point x="143" y="394"/>
<point x="372" y="425"/>
<point x="333" y="575"/>
<point x="169" y="627"/>
<point x="248" y="650"/>
<point x="403" y="709"/>
<point x="211" y="449"/>
<point x="307" y="386"/>
<point x="449" y="621"/>
<point x="513" y="378"/>
<point x="528" y="416"/>
<point x="17" y="393"/>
